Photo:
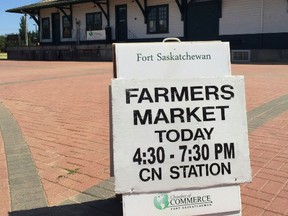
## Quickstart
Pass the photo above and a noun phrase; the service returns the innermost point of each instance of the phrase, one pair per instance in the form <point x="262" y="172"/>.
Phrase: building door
<point x="202" y="20"/>
<point x="121" y="22"/>
<point x="56" y="28"/>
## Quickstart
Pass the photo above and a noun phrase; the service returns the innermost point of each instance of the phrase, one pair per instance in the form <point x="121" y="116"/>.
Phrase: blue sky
<point x="9" y="22"/>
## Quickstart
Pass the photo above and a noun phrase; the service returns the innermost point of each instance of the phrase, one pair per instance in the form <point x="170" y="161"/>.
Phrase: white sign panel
<point x="177" y="134"/>
<point x="183" y="203"/>
<point x="172" y="60"/>
<point x="96" y="35"/>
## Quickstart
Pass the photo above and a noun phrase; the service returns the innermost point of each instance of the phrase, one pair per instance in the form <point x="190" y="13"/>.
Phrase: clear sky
<point x="9" y="22"/>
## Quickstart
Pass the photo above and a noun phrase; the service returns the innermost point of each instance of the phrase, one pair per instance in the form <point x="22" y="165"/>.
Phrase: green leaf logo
<point x="161" y="201"/>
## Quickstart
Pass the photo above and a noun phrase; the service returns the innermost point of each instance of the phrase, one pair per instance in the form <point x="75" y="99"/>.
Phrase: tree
<point x="2" y="43"/>
<point x="23" y="30"/>
<point x="23" y="33"/>
<point x="33" y="38"/>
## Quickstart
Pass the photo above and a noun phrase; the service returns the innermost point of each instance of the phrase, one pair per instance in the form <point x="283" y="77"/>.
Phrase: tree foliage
<point x="22" y="29"/>
<point x="3" y="43"/>
<point x="32" y="35"/>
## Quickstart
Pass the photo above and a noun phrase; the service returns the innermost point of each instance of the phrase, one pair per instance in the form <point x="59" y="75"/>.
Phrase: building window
<point x="93" y="21"/>
<point x="157" y="19"/>
<point x="45" y="28"/>
<point x="67" y="27"/>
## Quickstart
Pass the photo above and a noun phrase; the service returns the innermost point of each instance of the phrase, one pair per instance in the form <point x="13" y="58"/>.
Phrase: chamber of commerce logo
<point x="181" y="201"/>
<point x="161" y="201"/>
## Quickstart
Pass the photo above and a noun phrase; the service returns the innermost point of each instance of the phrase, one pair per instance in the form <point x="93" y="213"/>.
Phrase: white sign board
<point x="180" y="133"/>
<point x="183" y="203"/>
<point x="96" y="35"/>
<point x="172" y="60"/>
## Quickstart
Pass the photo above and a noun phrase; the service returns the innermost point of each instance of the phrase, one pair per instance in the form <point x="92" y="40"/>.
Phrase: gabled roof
<point x="34" y="8"/>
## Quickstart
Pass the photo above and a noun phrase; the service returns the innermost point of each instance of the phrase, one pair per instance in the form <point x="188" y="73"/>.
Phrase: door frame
<point x="56" y="28"/>
<point x="117" y="31"/>
<point x="186" y="21"/>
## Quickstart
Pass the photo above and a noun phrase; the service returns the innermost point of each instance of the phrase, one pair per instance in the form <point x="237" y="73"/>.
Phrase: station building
<point x="85" y="29"/>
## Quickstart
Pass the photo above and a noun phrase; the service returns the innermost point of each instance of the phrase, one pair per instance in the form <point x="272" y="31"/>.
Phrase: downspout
<point x="108" y="12"/>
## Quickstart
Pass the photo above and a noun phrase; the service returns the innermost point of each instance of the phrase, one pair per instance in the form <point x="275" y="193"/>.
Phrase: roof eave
<point x="34" y="8"/>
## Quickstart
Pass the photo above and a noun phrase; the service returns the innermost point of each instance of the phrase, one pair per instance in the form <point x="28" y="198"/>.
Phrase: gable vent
<point x="241" y="56"/>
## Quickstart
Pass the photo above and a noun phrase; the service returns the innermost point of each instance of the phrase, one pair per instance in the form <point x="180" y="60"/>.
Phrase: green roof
<point x="34" y="8"/>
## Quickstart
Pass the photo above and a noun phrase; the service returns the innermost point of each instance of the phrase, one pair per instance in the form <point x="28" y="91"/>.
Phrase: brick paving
<point x="62" y="111"/>
<point x="4" y="186"/>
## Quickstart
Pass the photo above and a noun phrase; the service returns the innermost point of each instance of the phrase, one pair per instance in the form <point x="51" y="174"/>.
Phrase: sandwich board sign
<point x="182" y="132"/>
<point x="171" y="60"/>
<point x="175" y="134"/>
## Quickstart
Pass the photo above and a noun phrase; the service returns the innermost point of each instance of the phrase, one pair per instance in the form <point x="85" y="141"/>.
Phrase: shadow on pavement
<point x="108" y="207"/>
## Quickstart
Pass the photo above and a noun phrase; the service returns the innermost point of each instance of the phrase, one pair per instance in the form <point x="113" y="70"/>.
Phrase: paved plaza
<point x="54" y="140"/>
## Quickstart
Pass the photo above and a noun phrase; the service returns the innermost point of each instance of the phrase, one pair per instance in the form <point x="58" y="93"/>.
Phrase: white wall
<point x="136" y="23"/>
<point x="253" y="16"/>
<point x="275" y="16"/>
<point x="135" y="20"/>
<point x="46" y="13"/>
<point x="79" y="14"/>
<point x="240" y="17"/>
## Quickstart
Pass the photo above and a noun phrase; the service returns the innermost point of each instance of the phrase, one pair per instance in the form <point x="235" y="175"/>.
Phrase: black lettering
<point x="163" y="94"/>
<point x="175" y="138"/>
<point x="218" y="150"/>
<point x="192" y="113"/>
<point x="206" y="113"/>
<point x="211" y="91"/>
<point x="196" y="90"/>
<point x="214" y="169"/>
<point x="228" y="93"/>
<point x="199" y="134"/>
<point x="161" y="116"/>
<point x="143" y="120"/>
<point x="200" y="167"/>
<point x="174" y="172"/>
<point x="185" y="168"/>
<point x="141" y="175"/>
<point x="174" y="114"/>
<point x="208" y="133"/>
<point x="145" y="95"/>
<point x="229" y="151"/>
<point x="226" y="168"/>
<point x="182" y="96"/>
<point x="160" y="132"/>
<point x="192" y="172"/>
<point x="222" y="109"/>
<point x="129" y="94"/>
<point x="186" y="134"/>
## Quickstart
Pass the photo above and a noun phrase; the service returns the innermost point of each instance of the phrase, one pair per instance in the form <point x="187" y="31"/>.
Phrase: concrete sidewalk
<point x="54" y="140"/>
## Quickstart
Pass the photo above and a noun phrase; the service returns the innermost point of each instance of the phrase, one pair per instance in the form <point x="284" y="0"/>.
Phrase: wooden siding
<point x="254" y="17"/>
<point x="275" y="16"/>
<point x="135" y="23"/>
<point x="240" y="17"/>
<point x="79" y="13"/>
<point x="137" y="28"/>
<point x="44" y="14"/>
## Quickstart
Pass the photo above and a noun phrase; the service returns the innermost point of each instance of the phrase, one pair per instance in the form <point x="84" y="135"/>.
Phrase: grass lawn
<point x="3" y="55"/>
